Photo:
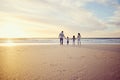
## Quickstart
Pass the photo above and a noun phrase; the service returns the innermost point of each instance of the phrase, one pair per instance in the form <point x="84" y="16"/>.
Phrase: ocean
<point x="54" y="41"/>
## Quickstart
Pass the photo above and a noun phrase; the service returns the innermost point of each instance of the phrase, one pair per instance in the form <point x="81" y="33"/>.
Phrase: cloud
<point x="115" y="19"/>
<point x="47" y="16"/>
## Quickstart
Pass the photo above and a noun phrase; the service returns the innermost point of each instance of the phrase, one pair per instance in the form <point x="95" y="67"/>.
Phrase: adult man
<point x="61" y="36"/>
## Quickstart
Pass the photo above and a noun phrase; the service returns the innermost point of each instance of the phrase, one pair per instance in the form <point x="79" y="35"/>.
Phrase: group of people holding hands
<point x="62" y="36"/>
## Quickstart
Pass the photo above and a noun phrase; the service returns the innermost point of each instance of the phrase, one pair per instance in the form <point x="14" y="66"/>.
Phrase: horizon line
<point x="58" y="38"/>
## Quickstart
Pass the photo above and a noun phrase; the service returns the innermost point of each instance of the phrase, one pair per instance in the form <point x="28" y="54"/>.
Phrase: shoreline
<point x="56" y="41"/>
<point x="55" y="44"/>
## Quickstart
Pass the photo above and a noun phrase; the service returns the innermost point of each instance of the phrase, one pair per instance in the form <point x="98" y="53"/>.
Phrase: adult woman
<point x="78" y="39"/>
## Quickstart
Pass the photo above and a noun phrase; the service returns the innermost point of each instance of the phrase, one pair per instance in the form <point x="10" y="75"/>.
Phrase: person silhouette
<point x="67" y="40"/>
<point x="73" y="39"/>
<point x="79" y="39"/>
<point x="61" y="36"/>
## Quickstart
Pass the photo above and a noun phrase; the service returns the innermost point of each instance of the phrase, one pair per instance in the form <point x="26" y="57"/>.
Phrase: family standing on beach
<point x="62" y="36"/>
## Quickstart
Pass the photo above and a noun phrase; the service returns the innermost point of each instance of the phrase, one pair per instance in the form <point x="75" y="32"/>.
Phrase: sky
<point x="47" y="18"/>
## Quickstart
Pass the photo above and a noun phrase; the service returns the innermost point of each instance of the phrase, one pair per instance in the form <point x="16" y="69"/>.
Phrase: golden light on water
<point x="9" y="43"/>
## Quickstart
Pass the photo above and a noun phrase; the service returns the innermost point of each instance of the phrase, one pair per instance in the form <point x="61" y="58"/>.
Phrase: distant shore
<point x="57" y="38"/>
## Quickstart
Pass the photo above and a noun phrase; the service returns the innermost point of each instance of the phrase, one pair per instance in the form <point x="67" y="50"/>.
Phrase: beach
<point x="55" y="62"/>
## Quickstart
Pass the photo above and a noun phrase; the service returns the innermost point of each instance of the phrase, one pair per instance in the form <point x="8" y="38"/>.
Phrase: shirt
<point x="61" y="35"/>
<point x="78" y="37"/>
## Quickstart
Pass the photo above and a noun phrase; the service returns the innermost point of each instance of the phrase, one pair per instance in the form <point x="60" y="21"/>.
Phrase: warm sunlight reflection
<point x="9" y="43"/>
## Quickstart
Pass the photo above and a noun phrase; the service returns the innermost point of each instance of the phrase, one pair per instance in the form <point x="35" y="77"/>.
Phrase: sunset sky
<point x="47" y="18"/>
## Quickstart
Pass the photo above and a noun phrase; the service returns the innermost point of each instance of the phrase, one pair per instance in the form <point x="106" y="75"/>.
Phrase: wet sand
<point x="54" y="62"/>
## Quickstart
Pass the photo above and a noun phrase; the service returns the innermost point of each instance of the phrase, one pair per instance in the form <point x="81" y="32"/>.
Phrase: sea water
<point x="53" y="41"/>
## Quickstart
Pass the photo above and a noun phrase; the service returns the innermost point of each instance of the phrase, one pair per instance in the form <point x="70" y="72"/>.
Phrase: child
<point x="67" y="40"/>
<point x="73" y="39"/>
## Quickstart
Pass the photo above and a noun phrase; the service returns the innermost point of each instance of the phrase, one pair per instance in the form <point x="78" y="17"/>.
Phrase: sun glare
<point x="11" y="29"/>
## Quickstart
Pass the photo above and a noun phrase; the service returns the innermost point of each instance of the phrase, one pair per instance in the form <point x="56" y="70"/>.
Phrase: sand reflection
<point x="10" y="62"/>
